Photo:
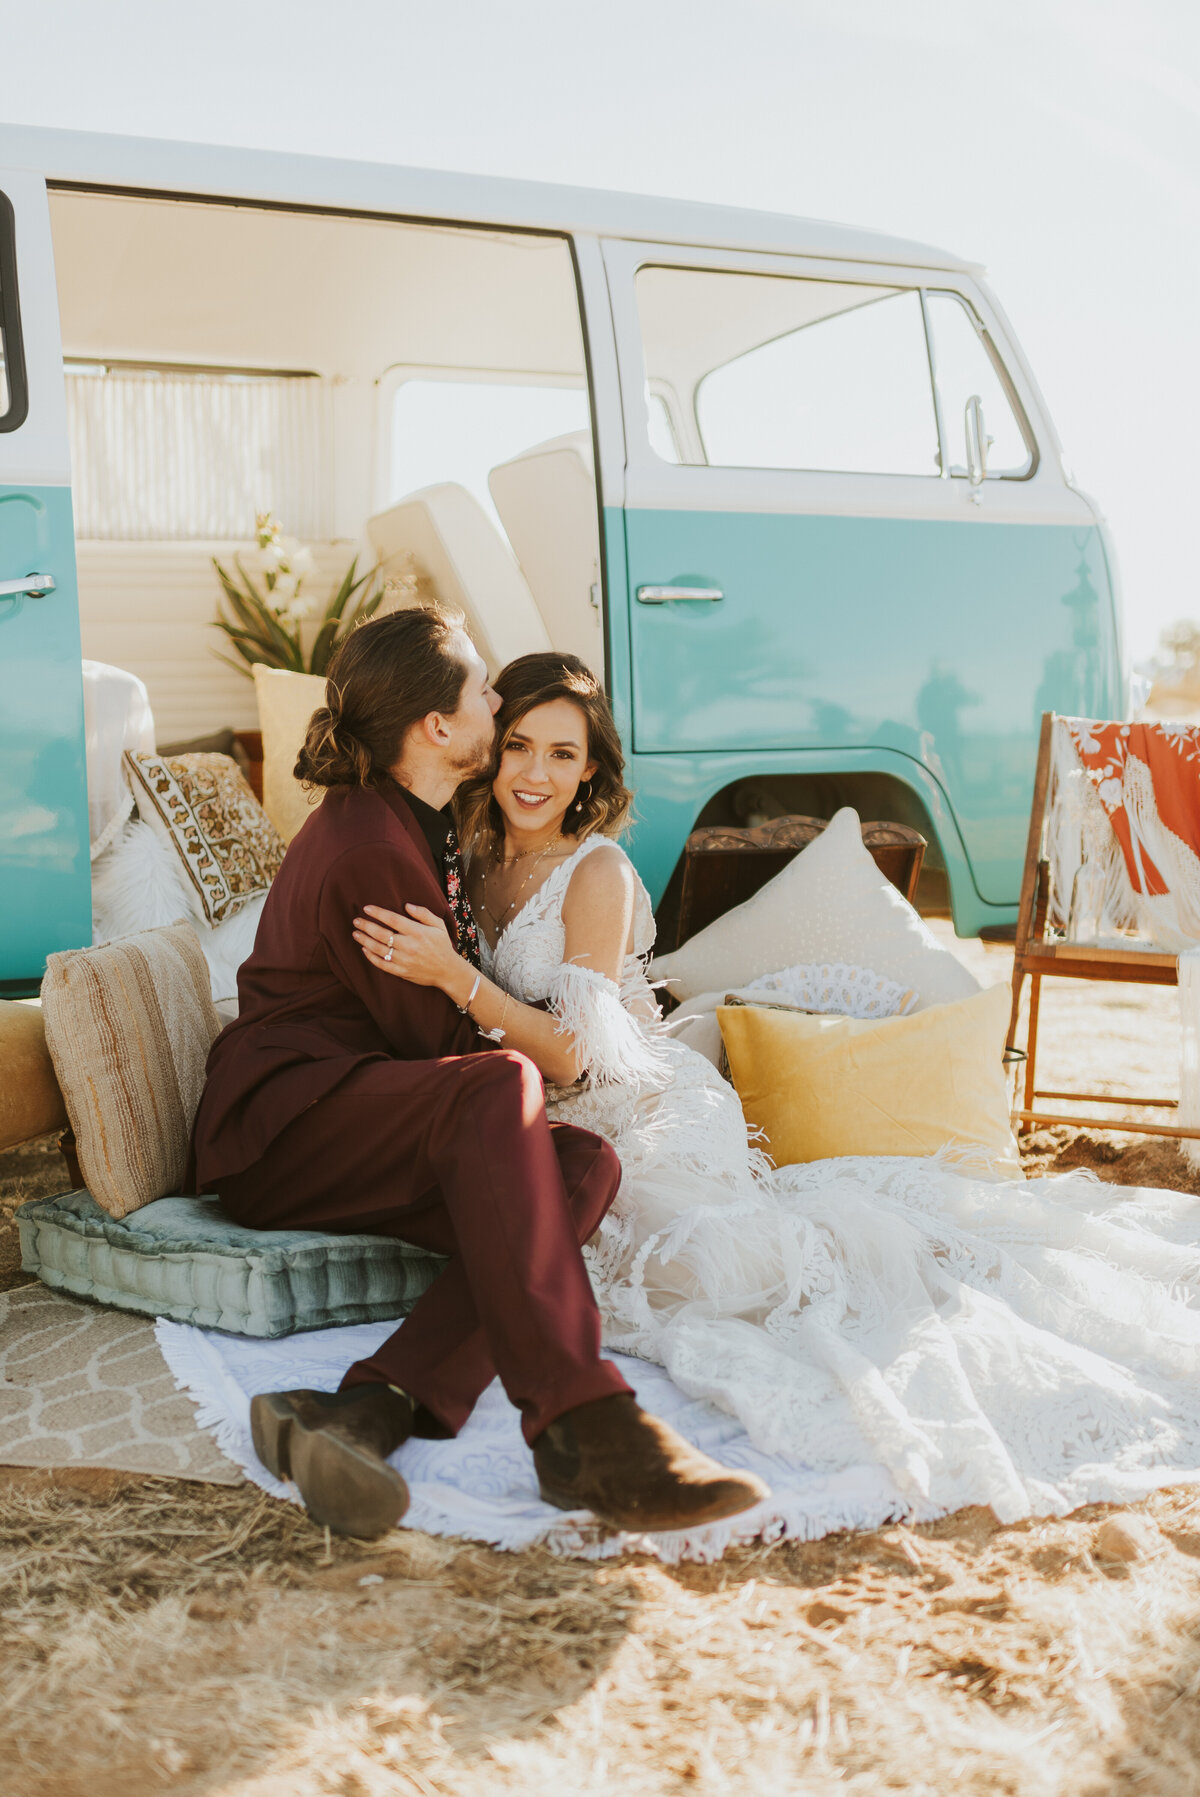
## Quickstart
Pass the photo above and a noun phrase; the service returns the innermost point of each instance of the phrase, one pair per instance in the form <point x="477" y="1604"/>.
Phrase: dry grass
<point x="165" y="1637"/>
<point x="35" y="1170"/>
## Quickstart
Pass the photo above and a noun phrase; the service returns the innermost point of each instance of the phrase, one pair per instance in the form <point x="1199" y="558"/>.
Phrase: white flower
<point x="300" y="608"/>
<point x="284" y="589"/>
<point x="270" y="556"/>
<point x="1112" y="794"/>
<point x="302" y="562"/>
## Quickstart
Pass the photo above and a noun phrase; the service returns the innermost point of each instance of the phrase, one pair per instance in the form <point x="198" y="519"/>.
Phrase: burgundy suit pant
<point x="457" y="1155"/>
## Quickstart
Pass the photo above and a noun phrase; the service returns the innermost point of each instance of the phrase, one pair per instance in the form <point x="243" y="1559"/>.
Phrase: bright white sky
<point x="1058" y="141"/>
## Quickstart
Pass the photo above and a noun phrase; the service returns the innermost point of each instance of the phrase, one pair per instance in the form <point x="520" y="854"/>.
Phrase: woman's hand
<point x="420" y="948"/>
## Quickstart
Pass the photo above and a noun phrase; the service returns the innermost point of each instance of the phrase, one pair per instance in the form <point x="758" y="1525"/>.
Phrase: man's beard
<point x="476" y="758"/>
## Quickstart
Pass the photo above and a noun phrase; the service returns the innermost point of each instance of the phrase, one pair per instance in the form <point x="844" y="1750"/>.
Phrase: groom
<point x="344" y="1100"/>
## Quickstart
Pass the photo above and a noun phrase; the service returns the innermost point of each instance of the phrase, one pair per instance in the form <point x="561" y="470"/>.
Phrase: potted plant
<point x="266" y="607"/>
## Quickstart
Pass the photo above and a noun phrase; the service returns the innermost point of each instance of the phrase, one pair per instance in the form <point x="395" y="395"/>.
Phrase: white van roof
<point x="148" y="165"/>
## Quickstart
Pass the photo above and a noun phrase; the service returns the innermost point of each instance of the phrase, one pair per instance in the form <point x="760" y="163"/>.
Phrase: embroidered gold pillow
<point x="202" y="806"/>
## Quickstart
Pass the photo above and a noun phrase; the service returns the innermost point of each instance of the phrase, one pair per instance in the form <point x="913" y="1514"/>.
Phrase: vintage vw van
<point x="790" y="485"/>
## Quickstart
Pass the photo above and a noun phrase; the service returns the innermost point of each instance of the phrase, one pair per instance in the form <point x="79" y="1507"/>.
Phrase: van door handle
<point x="663" y="595"/>
<point x="36" y="585"/>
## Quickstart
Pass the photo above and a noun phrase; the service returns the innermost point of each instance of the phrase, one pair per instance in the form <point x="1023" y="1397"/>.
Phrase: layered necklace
<point x="498" y="920"/>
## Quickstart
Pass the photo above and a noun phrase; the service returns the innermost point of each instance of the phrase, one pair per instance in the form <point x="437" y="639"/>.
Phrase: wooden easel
<point x="1038" y="957"/>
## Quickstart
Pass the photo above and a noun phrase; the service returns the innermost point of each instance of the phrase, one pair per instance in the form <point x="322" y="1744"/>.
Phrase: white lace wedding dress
<point x="1033" y="1346"/>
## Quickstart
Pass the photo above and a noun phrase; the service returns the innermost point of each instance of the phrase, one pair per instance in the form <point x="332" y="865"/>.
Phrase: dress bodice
<point x="531" y="948"/>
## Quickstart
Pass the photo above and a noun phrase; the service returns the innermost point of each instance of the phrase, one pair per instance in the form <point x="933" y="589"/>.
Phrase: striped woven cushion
<point x="129" y="1027"/>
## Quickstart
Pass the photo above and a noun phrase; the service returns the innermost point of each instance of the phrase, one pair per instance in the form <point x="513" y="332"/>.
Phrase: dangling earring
<point x="579" y="803"/>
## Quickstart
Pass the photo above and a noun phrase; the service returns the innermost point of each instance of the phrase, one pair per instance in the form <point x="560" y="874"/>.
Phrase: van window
<point x="14" y="404"/>
<point x="767" y="371"/>
<point x="169" y="454"/>
<point x="459" y="430"/>
<point x="966" y="365"/>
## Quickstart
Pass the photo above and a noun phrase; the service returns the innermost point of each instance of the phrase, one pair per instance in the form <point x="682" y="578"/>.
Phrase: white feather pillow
<point x="138" y="884"/>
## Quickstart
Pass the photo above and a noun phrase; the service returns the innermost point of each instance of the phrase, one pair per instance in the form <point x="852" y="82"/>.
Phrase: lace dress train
<point x="1031" y="1346"/>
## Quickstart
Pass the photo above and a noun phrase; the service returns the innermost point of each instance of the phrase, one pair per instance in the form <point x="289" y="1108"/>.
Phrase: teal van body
<point x="924" y="652"/>
<point x="795" y="608"/>
<point x="44" y="862"/>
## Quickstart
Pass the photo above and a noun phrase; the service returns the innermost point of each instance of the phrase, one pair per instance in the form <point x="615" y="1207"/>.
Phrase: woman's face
<point x="543" y="763"/>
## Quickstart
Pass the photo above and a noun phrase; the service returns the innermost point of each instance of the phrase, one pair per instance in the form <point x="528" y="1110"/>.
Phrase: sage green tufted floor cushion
<point x="183" y="1258"/>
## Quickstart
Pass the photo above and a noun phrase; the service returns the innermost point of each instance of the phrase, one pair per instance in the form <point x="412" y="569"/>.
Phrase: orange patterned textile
<point x="1129" y="764"/>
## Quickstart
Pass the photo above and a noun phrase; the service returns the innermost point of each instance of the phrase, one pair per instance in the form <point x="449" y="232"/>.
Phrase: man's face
<point x="472" y="727"/>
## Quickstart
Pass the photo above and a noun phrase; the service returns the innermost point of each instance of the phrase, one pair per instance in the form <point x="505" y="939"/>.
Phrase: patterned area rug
<point x="84" y="1386"/>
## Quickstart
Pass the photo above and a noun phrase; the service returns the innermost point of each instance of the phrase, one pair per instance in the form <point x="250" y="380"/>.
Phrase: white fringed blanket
<point x="482" y="1485"/>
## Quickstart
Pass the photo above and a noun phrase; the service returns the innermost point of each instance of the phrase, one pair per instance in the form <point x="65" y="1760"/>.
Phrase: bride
<point x="1034" y="1347"/>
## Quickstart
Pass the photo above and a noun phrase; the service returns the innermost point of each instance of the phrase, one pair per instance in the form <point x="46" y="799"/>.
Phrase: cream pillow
<point x="830" y="903"/>
<point x="203" y="808"/>
<point x="286" y="702"/>
<point x="820" y="1087"/>
<point x="129" y="1027"/>
<point x="30" y="1101"/>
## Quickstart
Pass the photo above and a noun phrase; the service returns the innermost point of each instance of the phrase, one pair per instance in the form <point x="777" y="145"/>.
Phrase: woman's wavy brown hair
<point x="526" y="683"/>
<point x="384" y="677"/>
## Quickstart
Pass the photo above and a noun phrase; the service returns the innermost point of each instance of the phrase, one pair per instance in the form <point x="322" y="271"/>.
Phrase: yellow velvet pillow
<point x="286" y="702"/>
<point x="30" y="1101"/>
<point x="824" y="1086"/>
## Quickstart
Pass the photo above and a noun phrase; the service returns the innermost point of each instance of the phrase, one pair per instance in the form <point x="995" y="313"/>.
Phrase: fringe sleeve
<point x="615" y="1049"/>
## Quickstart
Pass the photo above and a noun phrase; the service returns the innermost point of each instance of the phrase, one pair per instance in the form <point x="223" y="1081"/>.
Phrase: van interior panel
<point x="197" y="333"/>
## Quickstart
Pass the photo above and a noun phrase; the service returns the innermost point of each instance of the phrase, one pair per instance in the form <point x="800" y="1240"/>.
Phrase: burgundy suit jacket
<point x="311" y="1008"/>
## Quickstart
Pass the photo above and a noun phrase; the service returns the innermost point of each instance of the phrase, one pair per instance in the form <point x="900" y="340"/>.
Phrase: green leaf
<point x="239" y="667"/>
<point x="337" y="603"/>
<point x="323" y="644"/>
<point x="253" y="649"/>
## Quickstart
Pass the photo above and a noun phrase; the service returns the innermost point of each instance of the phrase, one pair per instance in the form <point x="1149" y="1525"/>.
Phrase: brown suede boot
<point x="334" y="1446"/>
<point x="634" y="1472"/>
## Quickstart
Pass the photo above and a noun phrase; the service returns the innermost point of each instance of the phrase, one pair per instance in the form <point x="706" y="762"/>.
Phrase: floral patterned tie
<point x="466" y="934"/>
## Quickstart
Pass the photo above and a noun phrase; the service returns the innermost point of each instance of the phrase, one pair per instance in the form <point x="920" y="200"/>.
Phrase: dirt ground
<point x="159" y="1636"/>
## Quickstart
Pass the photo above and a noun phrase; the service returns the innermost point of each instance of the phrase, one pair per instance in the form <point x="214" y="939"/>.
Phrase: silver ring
<point x="388" y="956"/>
<point x="391" y="939"/>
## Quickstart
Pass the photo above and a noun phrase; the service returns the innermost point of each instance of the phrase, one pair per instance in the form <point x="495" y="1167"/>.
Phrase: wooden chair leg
<point x="1035" y="996"/>
<point x="1018" y="980"/>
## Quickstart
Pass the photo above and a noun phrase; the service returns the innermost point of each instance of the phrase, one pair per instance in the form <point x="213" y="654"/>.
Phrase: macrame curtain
<point x="161" y="456"/>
